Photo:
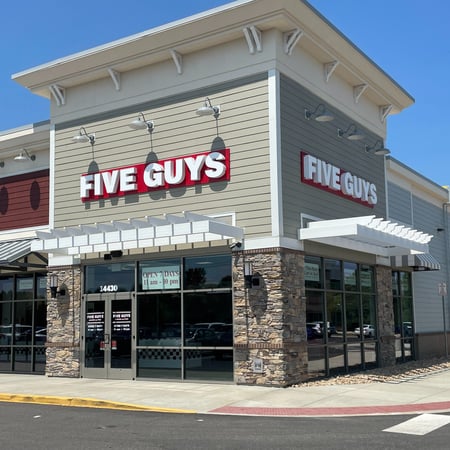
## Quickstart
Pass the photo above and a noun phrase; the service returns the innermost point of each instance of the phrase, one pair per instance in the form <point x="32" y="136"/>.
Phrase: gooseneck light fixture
<point x="83" y="137"/>
<point x="320" y="114"/>
<point x="248" y="274"/>
<point x="351" y="133"/>
<point x="53" y="279"/>
<point x="378" y="149"/>
<point x="141" y="124"/>
<point x="208" y="109"/>
<point x="24" y="156"/>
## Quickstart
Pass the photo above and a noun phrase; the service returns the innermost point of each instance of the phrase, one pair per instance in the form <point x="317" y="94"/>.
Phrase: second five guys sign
<point x="328" y="177"/>
<point x="200" y="168"/>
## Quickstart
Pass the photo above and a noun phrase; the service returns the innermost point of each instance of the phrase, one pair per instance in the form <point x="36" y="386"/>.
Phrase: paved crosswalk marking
<point x="420" y="425"/>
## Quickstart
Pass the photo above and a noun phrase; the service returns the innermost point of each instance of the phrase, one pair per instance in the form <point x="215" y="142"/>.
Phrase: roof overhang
<point x="367" y="234"/>
<point x="149" y="232"/>
<point x="216" y="26"/>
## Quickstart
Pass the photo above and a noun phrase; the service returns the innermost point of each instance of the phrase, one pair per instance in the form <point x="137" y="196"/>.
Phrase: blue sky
<point x="408" y="39"/>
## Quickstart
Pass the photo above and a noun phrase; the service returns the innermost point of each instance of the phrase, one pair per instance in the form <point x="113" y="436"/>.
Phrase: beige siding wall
<point x="242" y="127"/>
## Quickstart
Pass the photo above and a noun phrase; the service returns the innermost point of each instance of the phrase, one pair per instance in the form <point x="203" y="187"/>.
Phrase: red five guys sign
<point x="200" y="168"/>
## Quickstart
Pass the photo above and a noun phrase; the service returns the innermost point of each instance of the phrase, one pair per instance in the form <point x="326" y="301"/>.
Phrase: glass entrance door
<point x="108" y="337"/>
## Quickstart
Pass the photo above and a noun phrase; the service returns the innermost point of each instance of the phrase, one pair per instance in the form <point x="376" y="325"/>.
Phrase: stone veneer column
<point x="63" y="325"/>
<point x="385" y="313"/>
<point x="269" y="321"/>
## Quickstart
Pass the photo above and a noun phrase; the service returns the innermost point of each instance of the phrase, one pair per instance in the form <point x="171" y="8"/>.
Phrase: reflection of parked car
<point x="316" y="329"/>
<point x="224" y="335"/>
<point x="313" y="330"/>
<point x="331" y="329"/>
<point x="215" y="326"/>
<point x="368" y="331"/>
<point x="40" y="335"/>
<point x="201" y="337"/>
<point x="21" y="333"/>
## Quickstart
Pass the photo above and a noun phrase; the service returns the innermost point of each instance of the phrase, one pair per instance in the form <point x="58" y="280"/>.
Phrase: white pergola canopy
<point x="135" y="233"/>
<point x="367" y="234"/>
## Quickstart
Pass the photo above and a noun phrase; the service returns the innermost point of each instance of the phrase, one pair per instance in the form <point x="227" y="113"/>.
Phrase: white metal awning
<point x="418" y="262"/>
<point x="367" y="234"/>
<point x="13" y="250"/>
<point x="135" y="233"/>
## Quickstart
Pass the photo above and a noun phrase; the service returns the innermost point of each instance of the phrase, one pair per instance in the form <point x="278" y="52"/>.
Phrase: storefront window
<point x="41" y="286"/>
<point x="208" y="272"/>
<point x="367" y="278"/>
<point x="341" y="317"/>
<point x="6" y="288"/>
<point x="405" y="284"/>
<point x="159" y="320"/>
<point x="159" y="275"/>
<point x="333" y="274"/>
<point x="335" y="318"/>
<point x="23" y="323"/>
<point x="109" y="278"/>
<point x="403" y="315"/>
<point x="313" y="273"/>
<point x="184" y="317"/>
<point x="352" y="316"/>
<point x="24" y="287"/>
<point x="350" y="276"/>
<point x="208" y="320"/>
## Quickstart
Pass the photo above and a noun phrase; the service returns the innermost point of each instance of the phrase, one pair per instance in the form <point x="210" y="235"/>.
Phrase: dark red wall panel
<point x="24" y="200"/>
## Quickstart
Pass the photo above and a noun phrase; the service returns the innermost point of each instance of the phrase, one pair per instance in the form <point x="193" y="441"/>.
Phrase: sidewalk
<point x="428" y="393"/>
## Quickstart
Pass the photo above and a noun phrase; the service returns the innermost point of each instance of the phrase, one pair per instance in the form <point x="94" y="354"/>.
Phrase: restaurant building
<point x="218" y="205"/>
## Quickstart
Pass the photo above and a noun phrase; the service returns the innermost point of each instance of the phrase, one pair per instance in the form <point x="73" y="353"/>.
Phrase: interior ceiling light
<point x="208" y="109"/>
<point x="83" y="137"/>
<point x="351" y="133"/>
<point x="320" y="114"/>
<point x="141" y="124"/>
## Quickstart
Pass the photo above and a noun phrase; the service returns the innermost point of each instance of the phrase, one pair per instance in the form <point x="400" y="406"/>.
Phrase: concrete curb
<point x="86" y="403"/>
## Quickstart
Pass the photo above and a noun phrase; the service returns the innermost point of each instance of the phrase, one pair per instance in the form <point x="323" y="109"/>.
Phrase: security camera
<point x="235" y="245"/>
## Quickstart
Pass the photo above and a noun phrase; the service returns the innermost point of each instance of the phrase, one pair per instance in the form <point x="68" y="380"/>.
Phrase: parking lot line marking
<point x="420" y="425"/>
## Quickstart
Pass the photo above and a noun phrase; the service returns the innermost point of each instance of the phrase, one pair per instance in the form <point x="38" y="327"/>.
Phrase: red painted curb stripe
<point x="342" y="410"/>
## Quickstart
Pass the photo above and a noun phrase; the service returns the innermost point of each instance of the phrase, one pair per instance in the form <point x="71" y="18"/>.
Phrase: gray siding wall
<point x="399" y="204"/>
<point x="428" y="302"/>
<point x="321" y="140"/>
<point x="413" y="211"/>
<point x="242" y="127"/>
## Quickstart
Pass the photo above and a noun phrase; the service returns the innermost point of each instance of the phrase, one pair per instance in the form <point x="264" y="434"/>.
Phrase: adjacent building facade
<point x="219" y="208"/>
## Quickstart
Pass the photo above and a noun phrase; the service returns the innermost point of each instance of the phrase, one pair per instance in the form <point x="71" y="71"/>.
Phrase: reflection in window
<point x="208" y="365"/>
<point x="23" y="322"/>
<point x="159" y="275"/>
<point x="313" y="272"/>
<point x="367" y="278"/>
<point x="403" y="315"/>
<point x="208" y="319"/>
<point x="6" y="288"/>
<point x="116" y="277"/>
<point x="333" y="275"/>
<point x="24" y="287"/>
<point x="207" y="272"/>
<point x="341" y="317"/>
<point x="350" y="272"/>
<point x="159" y="320"/>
